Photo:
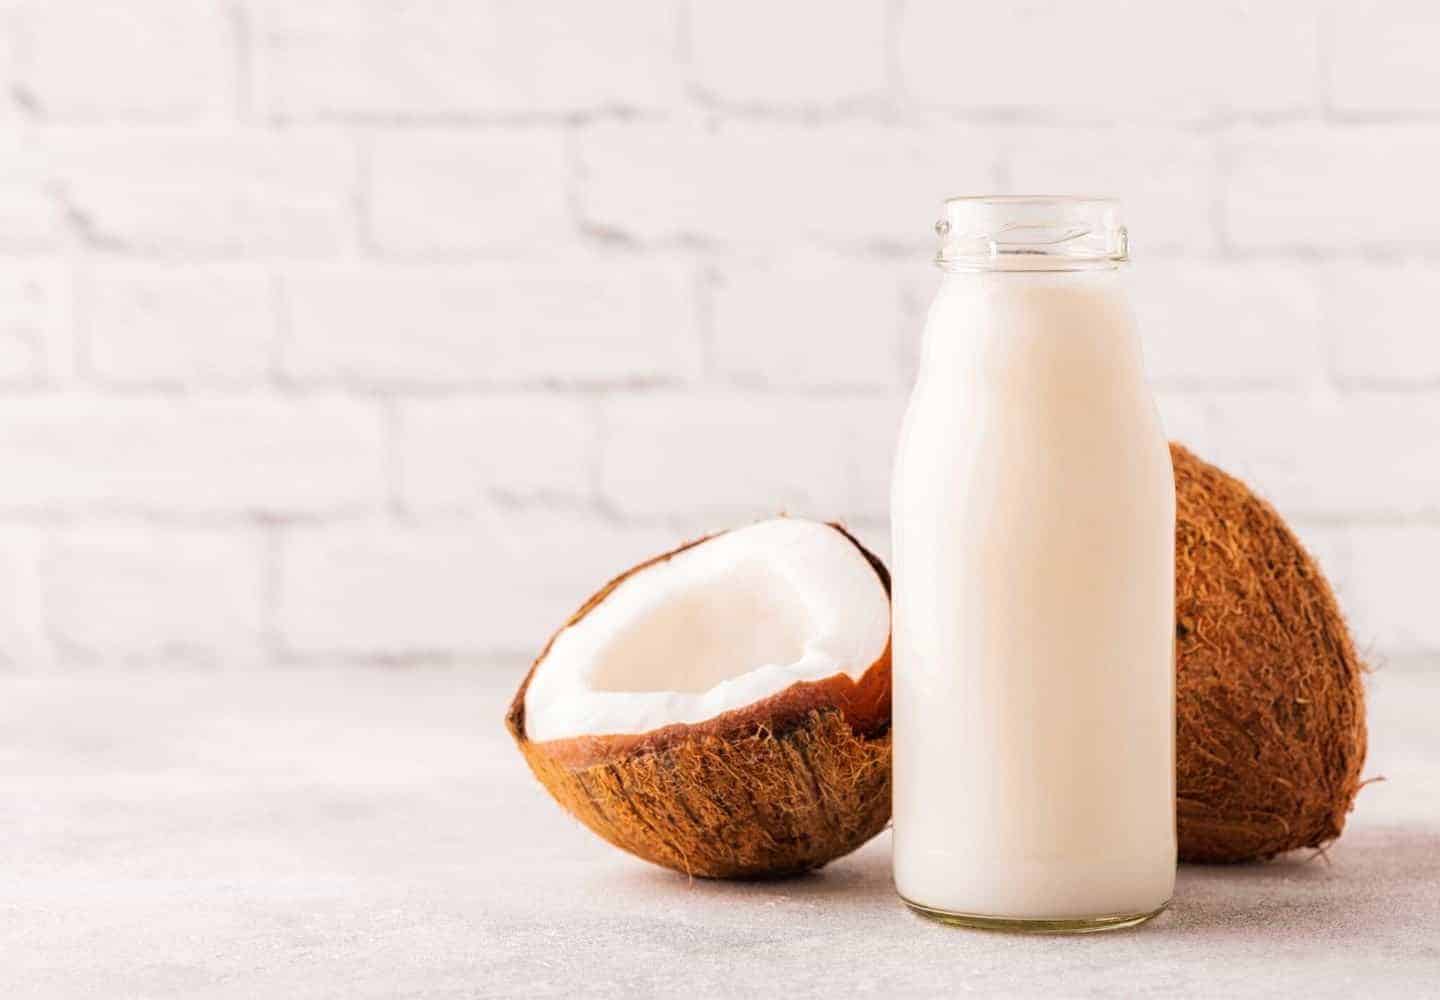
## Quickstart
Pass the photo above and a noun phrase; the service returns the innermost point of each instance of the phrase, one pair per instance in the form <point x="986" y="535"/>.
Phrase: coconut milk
<point x="1034" y="525"/>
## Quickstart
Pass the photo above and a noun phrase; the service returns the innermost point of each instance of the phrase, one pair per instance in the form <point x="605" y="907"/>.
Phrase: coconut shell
<point x="774" y="788"/>
<point x="1270" y="703"/>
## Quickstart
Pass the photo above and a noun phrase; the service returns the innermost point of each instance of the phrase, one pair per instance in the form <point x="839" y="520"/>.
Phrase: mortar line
<point x="244" y="56"/>
<point x="271" y="640"/>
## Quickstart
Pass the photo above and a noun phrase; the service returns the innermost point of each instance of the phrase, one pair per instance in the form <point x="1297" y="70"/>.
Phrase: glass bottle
<point x="1033" y="526"/>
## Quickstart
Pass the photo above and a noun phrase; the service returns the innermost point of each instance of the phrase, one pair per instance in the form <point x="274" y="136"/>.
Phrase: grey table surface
<point x="373" y="834"/>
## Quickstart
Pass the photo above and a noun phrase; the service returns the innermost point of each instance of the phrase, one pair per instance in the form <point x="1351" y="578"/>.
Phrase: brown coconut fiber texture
<point x="1270" y="706"/>
<point x="773" y="789"/>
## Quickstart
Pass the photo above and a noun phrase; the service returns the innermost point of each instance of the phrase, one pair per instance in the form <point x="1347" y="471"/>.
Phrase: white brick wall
<point x="495" y="582"/>
<point x="851" y="184"/>
<point x="24" y="643"/>
<point x="1386" y="590"/>
<point x="1384" y="55"/>
<point x="460" y="451"/>
<point x="374" y="331"/>
<point x="438" y="193"/>
<point x="444" y="58"/>
<point x="1229" y="321"/>
<point x="738" y="456"/>
<point x="1105" y="58"/>
<point x="187" y="325"/>
<point x="1322" y="187"/>
<point x="141" y="594"/>
<point x="32" y="218"/>
<point x="1379" y="323"/>
<point x="209" y="191"/>
<point x="156" y="58"/>
<point x="579" y="320"/>
<point x="35" y="320"/>
<point x="804" y="52"/>
<point x="1168" y="176"/>
<point x="182" y="456"/>
<point x="820" y="301"/>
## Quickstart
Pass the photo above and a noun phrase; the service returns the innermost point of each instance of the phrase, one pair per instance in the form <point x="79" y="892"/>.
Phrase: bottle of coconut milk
<point x="1034" y="534"/>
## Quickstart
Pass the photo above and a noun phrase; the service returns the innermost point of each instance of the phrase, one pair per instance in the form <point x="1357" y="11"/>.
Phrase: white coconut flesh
<point x="719" y="626"/>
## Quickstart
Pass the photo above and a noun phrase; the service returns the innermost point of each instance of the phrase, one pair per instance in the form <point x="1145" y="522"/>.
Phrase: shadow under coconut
<point x="860" y="878"/>
<point x="1371" y="878"/>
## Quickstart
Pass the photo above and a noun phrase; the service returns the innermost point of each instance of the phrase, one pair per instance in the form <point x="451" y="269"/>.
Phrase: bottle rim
<point x="1031" y="233"/>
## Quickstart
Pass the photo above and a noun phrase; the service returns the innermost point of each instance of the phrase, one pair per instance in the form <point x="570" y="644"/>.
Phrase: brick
<point x="190" y="456"/>
<point x="1382" y="55"/>
<point x="1076" y="60"/>
<point x="178" y="192"/>
<point x="850" y="184"/>
<point x="141" y="594"/>
<point x="557" y="319"/>
<point x="441" y="193"/>
<point x="1167" y="180"/>
<point x="34" y="320"/>
<point x="143" y="57"/>
<point x="1326" y="454"/>
<point x="807" y="53"/>
<point x="1332" y="189"/>
<point x="502" y="583"/>
<point x="204" y="324"/>
<point x="869" y="444"/>
<point x="31" y="216"/>
<point x="806" y="320"/>
<point x="456" y="452"/>
<point x="747" y="456"/>
<point x="1392" y="609"/>
<point x="24" y="644"/>
<point x="450" y="57"/>
<point x="1379" y="320"/>
<point x="1218" y="321"/>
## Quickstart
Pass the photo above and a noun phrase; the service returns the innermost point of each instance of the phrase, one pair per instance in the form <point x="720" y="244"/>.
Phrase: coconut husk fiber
<point x="1270" y="729"/>
<point x="770" y="789"/>
<point x="768" y="804"/>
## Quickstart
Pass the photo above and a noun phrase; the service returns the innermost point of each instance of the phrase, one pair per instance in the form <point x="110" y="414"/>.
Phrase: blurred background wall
<point x="374" y="331"/>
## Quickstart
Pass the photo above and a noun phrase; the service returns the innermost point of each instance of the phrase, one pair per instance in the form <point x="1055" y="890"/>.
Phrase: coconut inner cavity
<point x="702" y="619"/>
<point x="719" y="626"/>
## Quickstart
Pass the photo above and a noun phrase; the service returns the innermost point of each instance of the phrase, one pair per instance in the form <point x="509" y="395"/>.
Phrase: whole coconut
<point x="1270" y="705"/>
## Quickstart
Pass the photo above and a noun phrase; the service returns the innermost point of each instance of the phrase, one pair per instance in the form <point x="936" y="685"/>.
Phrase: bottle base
<point x="1078" y="925"/>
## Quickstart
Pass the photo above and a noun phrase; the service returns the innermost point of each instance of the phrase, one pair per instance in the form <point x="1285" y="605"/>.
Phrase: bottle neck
<point x="992" y="313"/>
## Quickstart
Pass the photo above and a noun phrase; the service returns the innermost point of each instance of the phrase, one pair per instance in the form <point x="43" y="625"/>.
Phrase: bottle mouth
<point x="1031" y="233"/>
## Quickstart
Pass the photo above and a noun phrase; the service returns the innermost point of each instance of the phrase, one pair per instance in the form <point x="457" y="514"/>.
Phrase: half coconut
<point x="723" y="709"/>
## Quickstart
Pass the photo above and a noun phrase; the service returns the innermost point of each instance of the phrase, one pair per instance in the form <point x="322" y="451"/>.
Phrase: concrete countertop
<point x="373" y="833"/>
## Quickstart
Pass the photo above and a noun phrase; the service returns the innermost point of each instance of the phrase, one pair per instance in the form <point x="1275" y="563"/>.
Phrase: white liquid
<point x="1034" y="526"/>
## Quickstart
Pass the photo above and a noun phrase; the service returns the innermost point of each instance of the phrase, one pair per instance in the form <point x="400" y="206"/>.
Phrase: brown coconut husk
<point x="1270" y="703"/>
<point x="775" y="788"/>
